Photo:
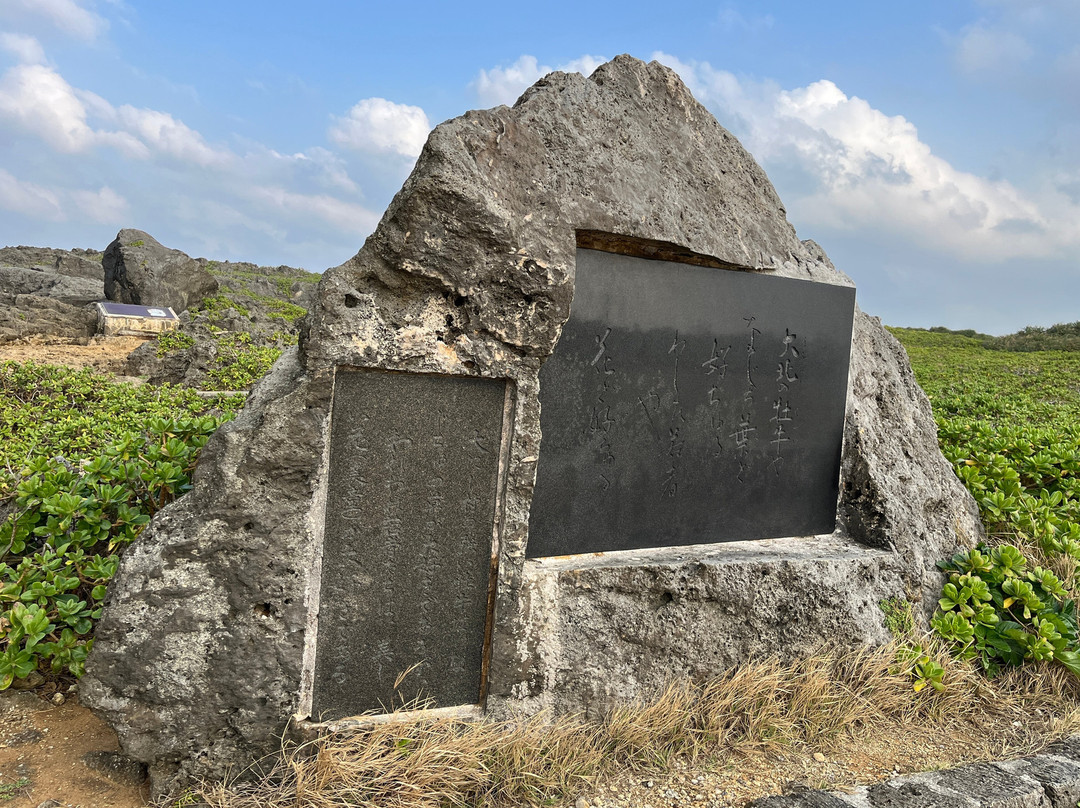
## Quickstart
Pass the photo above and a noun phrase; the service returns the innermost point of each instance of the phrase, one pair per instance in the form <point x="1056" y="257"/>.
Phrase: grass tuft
<point x="767" y="707"/>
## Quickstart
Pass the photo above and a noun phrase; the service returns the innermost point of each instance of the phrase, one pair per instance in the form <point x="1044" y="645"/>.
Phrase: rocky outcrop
<point x="1048" y="780"/>
<point x="267" y="304"/>
<point x="74" y="290"/>
<point x="25" y="317"/>
<point x="140" y="270"/>
<point x="199" y="661"/>
<point x="47" y="293"/>
<point x="74" y="263"/>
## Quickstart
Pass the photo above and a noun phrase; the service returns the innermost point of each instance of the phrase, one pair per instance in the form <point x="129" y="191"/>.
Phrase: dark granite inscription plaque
<point x="132" y="310"/>
<point x="688" y="405"/>
<point x="414" y="464"/>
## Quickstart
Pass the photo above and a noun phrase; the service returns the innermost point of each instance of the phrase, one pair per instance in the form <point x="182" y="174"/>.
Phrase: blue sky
<point x="933" y="149"/>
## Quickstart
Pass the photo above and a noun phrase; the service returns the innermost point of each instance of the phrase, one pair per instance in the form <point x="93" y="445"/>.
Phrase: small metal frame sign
<point x="112" y="309"/>
<point x="690" y="405"/>
<point x="117" y="319"/>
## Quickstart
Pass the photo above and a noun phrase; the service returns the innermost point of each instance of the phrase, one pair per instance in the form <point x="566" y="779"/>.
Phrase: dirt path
<point x="103" y="354"/>
<point x="62" y="753"/>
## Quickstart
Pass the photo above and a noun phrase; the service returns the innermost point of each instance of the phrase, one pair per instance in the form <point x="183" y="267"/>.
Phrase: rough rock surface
<point x="262" y="290"/>
<point x="75" y="263"/>
<point x="75" y="291"/>
<point x="1049" y="780"/>
<point x="140" y="270"/>
<point x="200" y="658"/>
<point x="25" y="317"/>
<point x="45" y="292"/>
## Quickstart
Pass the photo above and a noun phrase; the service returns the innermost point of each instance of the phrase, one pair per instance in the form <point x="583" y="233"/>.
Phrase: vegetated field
<point x="84" y="464"/>
<point x="1010" y="423"/>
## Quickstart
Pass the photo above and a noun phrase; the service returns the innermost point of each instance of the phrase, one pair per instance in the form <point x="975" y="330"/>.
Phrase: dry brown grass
<point x="763" y="707"/>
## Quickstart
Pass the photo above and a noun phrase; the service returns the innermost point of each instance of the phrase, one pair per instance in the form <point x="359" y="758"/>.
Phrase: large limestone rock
<point x="74" y="263"/>
<point x="37" y="317"/>
<point x="72" y="290"/>
<point x="140" y="270"/>
<point x="200" y="658"/>
<point x="46" y="293"/>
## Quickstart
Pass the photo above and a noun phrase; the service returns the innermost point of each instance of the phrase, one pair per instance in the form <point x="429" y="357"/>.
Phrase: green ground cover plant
<point x="173" y="341"/>
<point x="84" y="464"/>
<point x="1009" y="422"/>
<point x="239" y="362"/>
<point x="1060" y="337"/>
<point x="231" y="339"/>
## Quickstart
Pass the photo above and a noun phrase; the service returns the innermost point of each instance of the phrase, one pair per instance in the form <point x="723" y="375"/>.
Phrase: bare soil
<point x="103" y="354"/>
<point x="60" y="752"/>
<point x="43" y="748"/>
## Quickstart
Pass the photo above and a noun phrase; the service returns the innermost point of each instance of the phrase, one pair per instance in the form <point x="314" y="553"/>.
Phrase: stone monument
<point x="727" y="458"/>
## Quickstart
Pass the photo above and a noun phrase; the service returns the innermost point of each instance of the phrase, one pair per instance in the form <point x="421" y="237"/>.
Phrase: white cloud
<point x="40" y="101"/>
<point x="1022" y="46"/>
<point x="27" y="198"/>
<point x="147" y="160"/>
<point x="381" y="126"/>
<point x="983" y="49"/>
<point x="348" y="216"/>
<point x="24" y="48"/>
<point x="868" y="170"/>
<point x="37" y="99"/>
<point x="104" y="206"/>
<point x="66" y="15"/>
<point x="503" y="85"/>
<point x="166" y="135"/>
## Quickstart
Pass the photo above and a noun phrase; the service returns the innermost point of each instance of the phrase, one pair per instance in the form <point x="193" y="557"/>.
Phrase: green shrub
<point x="282" y="310"/>
<point x="61" y="545"/>
<point x="998" y="610"/>
<point x="1060" y="337"/>
<point x="173" y="341"/>
<point x="238" y="363"/>
<point x="216" y="307"/>
<point x="84" y="464"/>
<point x="1010" y="425"/>
<point x="47" y="411"/>
<point x="897" y="617"/>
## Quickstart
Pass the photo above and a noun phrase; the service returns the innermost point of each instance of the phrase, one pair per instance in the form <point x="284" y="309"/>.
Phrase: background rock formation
<point x="140" y="270"/>
<point x="200" y="658"/>
<point x="48" y="293"/>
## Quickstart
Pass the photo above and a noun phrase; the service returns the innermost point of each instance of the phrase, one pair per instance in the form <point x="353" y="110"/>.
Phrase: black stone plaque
<point x="689" y="405"/>
<point x="414" y="465"/>
<point x="132" y="310"/>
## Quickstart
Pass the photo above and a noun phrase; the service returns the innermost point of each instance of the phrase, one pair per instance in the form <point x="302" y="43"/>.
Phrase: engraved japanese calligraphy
<point x="688" y="405"/>
<point x="407" y="548"/>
